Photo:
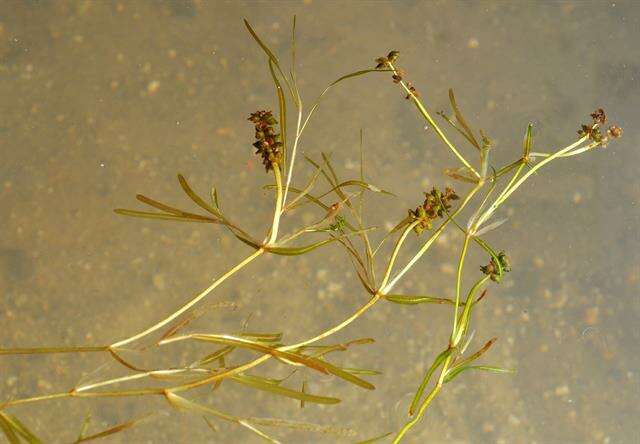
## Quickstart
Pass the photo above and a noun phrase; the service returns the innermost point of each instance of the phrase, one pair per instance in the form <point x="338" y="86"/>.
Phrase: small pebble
<point x="153" y="87"/>
<point x="577" y="198"/>
<point x="447" y="269"/>
<point x="538" y="262"/>
<point x="562" y="390"/>
<point x="591" y="316"/>
<point x="159" y="282"/>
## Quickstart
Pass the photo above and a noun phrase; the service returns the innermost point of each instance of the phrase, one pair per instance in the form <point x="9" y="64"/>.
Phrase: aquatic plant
<point x="339" y="221"/>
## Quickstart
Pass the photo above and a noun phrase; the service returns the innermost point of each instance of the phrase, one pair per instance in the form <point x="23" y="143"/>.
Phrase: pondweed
<point x="339" y="221"/>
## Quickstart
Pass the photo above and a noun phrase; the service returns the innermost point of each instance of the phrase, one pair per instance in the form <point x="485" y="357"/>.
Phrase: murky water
<point x="103" y="100"/>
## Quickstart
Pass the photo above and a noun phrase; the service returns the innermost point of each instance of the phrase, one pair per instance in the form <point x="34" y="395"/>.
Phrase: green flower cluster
<point x="435" y="205"/>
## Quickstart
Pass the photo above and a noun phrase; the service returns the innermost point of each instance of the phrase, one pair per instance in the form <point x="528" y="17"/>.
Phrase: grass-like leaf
<point x="462" y="174"/>
<point x="262" y="337"/>
<point x="158" y="205"/>
<point x="453" y="373"/>
<point x="21" y="429"/>
<point x="268" y="386"/>
<point x="161" y="216"/>
<point x="195" y="198"/>
<point x="415" y="299"/>
<point x="282" y="106"/>
<point x="461" y="120"/>
<point x="182" y="403"/>
<point x="8" y="430"/>
<point x="375" y="439"/>
<point x="466" y="361"/>
<point x="423" y="385"/>
<point x="221" y="352"/>
<point x="115" y="429"/>
<point x="359" y="183"/>
<point x="84" y="427"/>
<point x="527" y="143"/>
<point x="304" y="426"/>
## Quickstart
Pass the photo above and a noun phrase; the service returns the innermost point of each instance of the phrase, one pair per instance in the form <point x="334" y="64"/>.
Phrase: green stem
<point x="387" y="288"/>
<point x="189" y="304"/>
<point x="434" y="125"/>
<point x="47" y="350"/>
<point x="396" y="249"/>
<point x="277" y="213"/>
<point x="425" y="404"/>
<point x="463" y="254"/>
<point x="505" y="195"/>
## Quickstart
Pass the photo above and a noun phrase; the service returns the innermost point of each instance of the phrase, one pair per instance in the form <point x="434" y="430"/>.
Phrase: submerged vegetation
<point x="339" y="221"/>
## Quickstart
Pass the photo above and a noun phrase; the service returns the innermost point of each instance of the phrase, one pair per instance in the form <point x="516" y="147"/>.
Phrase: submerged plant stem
<point x="430" y="241"/>
<point x="463" y="254"/>
<point x="277" y="213"/>
<point x="191" y="303"/>
<point x="435" y="126"/>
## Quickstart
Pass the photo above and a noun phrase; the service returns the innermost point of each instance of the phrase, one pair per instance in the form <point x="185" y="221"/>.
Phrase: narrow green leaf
<point x="8" y="429"/>
<point x="264" y="47"/>
<point x="354" y="74"/>
<point x="262" y="337"/>
<point x="527" y="144"/>
<point x="263" y="348"/>
<point x="360" y="183"/>
<point x="327" y="161"/>
<point x="295" y="251"/>
<point x="462" y="174"/>
<point x="182" y="403"/>
<point x="179" y="402"/>
<point x="195" y="198"/>
<point x="115" y="429"/>
<point x="465" y="318"/>
<point x="21" y="429"/>
<point x="260" y="384"/>
<point x="361" y="371"/>
<point x="221" y="352"/>
<point x="211" y="425"/>
<point x="454" y="372"/>
<point x="257" y="431"/>
<point x="376" y="439"/>
<point x="468" y="360"/>
<point x="159" y="205"/>
<point x="303" y="426"/>
<point x="84" y="427"/>
<point x="436" y="363"/>
<point x="304" y="194"/>
<point x="214" y="198"/>
<point x="467" y="130"/>
<point x="149" y="215"/>
<point x="414" y="300"/>
<point x="282" y="106"/>
<point x="347" y="376"/>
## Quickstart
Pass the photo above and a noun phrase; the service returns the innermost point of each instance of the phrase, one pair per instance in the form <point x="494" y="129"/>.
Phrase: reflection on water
<point x="103" y="100"/>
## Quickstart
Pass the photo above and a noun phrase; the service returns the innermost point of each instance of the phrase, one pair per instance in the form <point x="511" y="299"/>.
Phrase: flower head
<point x="267" y="143"/>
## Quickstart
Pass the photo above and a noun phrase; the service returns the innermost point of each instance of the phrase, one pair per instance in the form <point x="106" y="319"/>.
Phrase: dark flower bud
<point x="599" y="116"/>
<point x="492" y="269"/>
<point x="614" y="131"/>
